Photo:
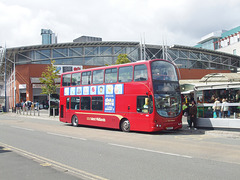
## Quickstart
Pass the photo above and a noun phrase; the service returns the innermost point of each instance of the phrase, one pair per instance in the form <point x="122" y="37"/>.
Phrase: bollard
<point x="34" y="111"/>
<point x="234" y="115"/>
<point x="38" y="111"/>
<point x="53" y="112"/>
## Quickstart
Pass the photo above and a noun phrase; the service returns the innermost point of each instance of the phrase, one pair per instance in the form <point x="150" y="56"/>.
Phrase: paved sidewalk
<point x="224" y="132"/>
<point x="14" y="167"/>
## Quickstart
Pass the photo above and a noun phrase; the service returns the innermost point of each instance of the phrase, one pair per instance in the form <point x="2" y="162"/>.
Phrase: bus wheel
<point x="125" y="125"/>
<point x="75" y="121"/>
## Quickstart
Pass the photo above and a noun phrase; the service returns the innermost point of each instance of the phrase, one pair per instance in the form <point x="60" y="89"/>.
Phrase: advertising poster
<point x="93" y="90"/>
<point x="66" y="91"/>
<point x="109" y="89"/>
<point x="101" y="90"/>
<point x="72" y="91"/>
<point x="118" y="89"/>
<point x="79" y="90"/>
<point x="86" y="90"/>
<point x="109" y="105"/>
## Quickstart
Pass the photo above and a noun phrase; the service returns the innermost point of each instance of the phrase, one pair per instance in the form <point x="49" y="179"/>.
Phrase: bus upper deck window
<point x="86" y="78"/>
<point x="140" y="73"/>
<point x="98" y="76"/>
<point x="76" y="79"/>
<point x="125" y="74"/>
<point x="111" y="75"/>
<point x="66" y="80"/>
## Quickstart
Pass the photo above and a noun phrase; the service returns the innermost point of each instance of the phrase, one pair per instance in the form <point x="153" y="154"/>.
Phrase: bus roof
<point x="117" y="65"/>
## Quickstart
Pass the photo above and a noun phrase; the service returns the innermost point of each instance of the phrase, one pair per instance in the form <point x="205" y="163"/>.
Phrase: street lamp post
<point x="5" y="78"/>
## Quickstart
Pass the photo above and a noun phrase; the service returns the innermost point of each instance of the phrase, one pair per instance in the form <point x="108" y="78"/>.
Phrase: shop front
<point x="218" y="105"/>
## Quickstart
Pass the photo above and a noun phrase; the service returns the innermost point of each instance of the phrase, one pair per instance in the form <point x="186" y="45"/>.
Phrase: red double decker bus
<point x="139" y="96"/>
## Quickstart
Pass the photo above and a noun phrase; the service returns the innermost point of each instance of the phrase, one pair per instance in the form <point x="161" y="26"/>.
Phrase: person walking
<point x="193" y="115"/>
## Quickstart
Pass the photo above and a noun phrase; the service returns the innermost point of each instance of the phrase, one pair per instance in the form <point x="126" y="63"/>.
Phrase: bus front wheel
<point x="75" y="121"/>
<point x="125" y="125"/>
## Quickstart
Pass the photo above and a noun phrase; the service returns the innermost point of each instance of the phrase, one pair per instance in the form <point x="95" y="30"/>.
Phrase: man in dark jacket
<point x="193" y="115"/>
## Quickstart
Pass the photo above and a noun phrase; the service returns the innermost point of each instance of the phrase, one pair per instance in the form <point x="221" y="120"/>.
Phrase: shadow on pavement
<point x="4" y="150"/>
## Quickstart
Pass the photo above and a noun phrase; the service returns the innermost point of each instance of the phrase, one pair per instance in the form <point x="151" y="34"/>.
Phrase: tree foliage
<point x="49" y="78"/>
<point x="122" y="59"/>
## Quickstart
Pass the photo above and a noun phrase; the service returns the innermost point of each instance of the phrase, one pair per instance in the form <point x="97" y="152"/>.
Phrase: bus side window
<point x="66" y="80"/>
<point x="111" y="75"/>
<point x="97" y="103"/>
<point x="98" y="76"/>
<point x="85" y="103"/>
<point x="140" y="73"/>
<point x="67" y="103"/>
<point x="75" y="103"/>
<point x="142" y="104"/>
<point x="76" y="79"/>
<point x="125" y="74"/>
<point x="86" y="78"/>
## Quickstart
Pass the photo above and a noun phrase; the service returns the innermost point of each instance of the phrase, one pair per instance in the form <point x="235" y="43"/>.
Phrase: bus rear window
<point x="66" y="80"/>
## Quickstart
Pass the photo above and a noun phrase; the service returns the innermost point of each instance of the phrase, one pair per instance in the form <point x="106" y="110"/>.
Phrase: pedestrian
<point x="216" y="108"/>
<point x="193" y="115"/>
<point x="224" y="108"/>
<point x="186" y="113"/>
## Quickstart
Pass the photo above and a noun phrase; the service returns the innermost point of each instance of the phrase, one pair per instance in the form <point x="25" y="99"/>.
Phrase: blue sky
<point x="181" y="22"/>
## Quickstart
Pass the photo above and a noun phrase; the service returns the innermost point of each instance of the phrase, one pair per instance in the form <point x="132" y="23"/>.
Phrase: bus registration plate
<point x="169" y="128"/>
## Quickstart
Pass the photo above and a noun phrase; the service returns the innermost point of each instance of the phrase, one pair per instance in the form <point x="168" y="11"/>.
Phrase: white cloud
<point x="177" y="22"/>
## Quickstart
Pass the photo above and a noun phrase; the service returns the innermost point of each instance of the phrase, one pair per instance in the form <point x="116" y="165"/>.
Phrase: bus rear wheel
<point x="125" y="125"/>
<point x="75" y="121"/>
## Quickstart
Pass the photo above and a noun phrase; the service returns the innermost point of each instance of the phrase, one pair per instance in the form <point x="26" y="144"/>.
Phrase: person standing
<point x="217" y="107"/>
<point x="193" y="115"/>
<point x="224" y="108"/>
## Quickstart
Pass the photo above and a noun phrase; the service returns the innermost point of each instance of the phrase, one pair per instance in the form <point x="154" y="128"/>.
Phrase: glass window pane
<point x="76" y="79"/>
<point x="86" y="78"/>
<point x="140" y="73"/>
<point x="111" y="75"/>
<point x="67" y="103"/>
<point x="66" y="80"/>
<point x="75" y="103"/>
<point x="85" y="103"/>
<point x="162" y="70"/>
<point x="125" y="74"/>
<point x="97" y="103"/>
<point x="98" y="77"/>
<point x="105" y="50"/>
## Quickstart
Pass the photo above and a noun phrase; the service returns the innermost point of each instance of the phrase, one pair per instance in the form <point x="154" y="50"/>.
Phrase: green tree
<point x="122" y="59"/>
<point x="49" y="77"/>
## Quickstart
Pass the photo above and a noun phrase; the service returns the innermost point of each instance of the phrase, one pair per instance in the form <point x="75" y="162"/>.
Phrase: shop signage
<point x="22" y="86"/>
<point x="67" y="68"/>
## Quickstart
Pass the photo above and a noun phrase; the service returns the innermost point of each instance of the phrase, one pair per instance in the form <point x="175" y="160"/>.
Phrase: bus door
<point x="66" y="113"/>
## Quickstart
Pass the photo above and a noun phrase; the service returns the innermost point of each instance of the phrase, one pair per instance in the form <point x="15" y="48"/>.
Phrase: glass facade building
<point x="100" y="53"/>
